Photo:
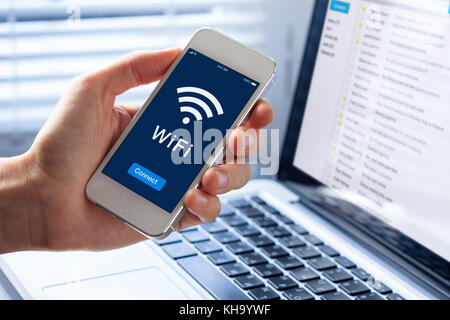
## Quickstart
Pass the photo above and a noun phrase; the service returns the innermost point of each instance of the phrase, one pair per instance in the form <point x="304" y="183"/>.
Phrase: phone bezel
<point x="140" y="213"/>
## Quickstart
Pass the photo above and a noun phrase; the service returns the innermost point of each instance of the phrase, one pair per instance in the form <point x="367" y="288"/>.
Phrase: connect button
<point x="146" y="176"/>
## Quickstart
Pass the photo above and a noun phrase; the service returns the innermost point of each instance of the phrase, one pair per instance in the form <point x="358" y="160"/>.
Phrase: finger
<point x="244" y="140"/>
<point x="241" y="143"/>
<point x="188" y="220"/>
<point x="203" y="205"/>
<point x="131" y="110"/>
<point x="261" y="115"/>
<point x="125" y="115"/>
<point x="225" y="177"/>
<point x="133" y="70"/>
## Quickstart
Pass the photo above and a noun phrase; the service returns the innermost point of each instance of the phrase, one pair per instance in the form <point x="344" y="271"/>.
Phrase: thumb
<point x="135" y="69"/>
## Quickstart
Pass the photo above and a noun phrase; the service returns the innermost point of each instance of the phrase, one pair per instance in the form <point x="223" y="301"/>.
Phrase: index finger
<point x="261" y="115"/>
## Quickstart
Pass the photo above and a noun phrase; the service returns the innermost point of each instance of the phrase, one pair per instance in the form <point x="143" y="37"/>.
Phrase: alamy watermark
<point x="239" y="145"/>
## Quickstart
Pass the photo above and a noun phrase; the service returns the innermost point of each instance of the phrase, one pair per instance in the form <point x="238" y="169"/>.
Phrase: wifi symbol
<point x="200" y="103"/>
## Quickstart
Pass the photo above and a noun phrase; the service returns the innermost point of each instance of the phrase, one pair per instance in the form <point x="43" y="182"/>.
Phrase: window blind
<point x="44" y="43"/>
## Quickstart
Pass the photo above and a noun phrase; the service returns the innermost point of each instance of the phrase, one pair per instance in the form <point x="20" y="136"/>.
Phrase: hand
<point x="44" y="204"/>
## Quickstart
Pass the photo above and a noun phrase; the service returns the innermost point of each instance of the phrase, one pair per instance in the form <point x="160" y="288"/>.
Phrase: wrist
<point x="20" y="206"/>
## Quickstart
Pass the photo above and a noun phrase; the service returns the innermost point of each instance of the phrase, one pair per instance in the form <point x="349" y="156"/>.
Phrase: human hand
<point x="47" y="190"/>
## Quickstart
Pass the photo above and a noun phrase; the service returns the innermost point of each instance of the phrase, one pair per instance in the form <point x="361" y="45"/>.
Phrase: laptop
<point x="359" y="206"/>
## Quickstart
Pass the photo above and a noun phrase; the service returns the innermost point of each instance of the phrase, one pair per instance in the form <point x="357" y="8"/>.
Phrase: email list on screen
<point x="377" y="119"/>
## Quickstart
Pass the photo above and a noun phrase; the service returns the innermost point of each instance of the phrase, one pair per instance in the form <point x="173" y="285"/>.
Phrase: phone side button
<point x="219" y="286"/>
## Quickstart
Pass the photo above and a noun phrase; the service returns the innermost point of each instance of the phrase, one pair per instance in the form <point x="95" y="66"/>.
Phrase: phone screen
<point x="174" y="137"/>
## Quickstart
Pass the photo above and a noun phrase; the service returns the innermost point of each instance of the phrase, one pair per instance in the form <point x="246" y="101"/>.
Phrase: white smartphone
<point x="179" y="132"/>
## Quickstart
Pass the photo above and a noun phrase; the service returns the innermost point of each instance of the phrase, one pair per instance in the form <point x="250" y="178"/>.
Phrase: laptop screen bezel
<point x="421" y="257"/>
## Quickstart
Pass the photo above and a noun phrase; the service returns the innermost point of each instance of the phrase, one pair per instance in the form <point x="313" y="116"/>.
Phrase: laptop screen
<point x="377" y="118"/>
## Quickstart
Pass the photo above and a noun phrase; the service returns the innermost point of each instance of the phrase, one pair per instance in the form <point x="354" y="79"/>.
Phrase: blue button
<point x="340" y="6"/>
<point x="146" y="176"/>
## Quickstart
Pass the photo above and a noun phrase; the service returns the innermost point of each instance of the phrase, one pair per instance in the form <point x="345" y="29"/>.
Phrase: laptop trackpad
<point x="146" y="283"/>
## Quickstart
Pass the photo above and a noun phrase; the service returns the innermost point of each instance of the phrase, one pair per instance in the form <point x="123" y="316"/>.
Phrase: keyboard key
<point x="239" y="247"/>
<point x="292" y="241"/>
<point x="188" y="229"/>
<point x="248" y="282"/>
<point x="394" y="296"/>
<point x="313" y="240"/>
<point x="274" y="251"/>
<point x="171" y="238"/>
<point x="214" y="227"/>
<point x="179" y="250"/>
<point x="221" y="257"/>
<point x="267" y="270"/>
<point x="225" y="210"/>
<point x="345" y="262"/>
<point x="337" y="275"/>
<point x="226" y="237"/>
<point x="252" y="258"/>
<point x="264" y="222"/>
<point x="251" y="212"/>
<point x="271" y="209"/>
<point x="306" y="252"/>
<point x="195" y="236"/>
<point x="260" y="241"/>
<point x="234" y="221"/>
<point x="299" y="229"/>
<point x="354" y="287"/>
<point x="369" y="296"/>
<point x="321" y="263"/>
<point x="240" y="203"/>
<point x="215" y="282"/>
<point x="282" y="282"/>
<point x="284" y="219"/>
<point x="304" y="274"/>
<point x="320" y="286"/>
<point x="382" y="288"/>
<point x="247" y="231"/>
<point x="298" y="294"/>
<point x="361" y="274"/>
<point x="208" y="246"/>
<point x="329" y="251"/>
<point x="289" y="262"/>
<point x="234" y="269"/>
<point x="335" y="296"/>
<point x="264" y="293"/>
<point x="258" y="200"/>
<point x="277" y="231"/>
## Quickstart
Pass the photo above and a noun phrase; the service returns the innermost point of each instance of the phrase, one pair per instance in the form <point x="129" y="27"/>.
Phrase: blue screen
<point x="200" y="93"/>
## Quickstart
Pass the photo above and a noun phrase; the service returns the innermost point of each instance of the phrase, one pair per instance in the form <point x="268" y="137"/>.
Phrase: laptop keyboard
<point x="254" y="251"/>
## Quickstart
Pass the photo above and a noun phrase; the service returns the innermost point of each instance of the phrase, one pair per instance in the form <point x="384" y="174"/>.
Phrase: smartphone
<point x="179" y="132"/>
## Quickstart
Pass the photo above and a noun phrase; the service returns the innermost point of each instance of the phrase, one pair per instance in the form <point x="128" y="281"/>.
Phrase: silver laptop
<point x="359" y="209"/>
